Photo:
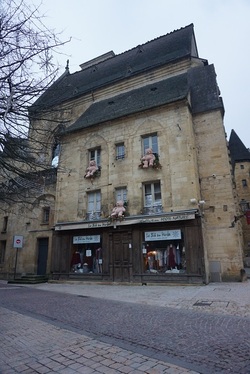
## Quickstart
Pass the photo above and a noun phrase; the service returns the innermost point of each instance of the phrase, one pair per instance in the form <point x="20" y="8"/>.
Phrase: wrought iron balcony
<point x="152" y="210"/>
<point x="93" y="216"/>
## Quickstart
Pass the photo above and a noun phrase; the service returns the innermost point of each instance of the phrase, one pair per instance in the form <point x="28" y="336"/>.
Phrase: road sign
<point x="18" y="241"/>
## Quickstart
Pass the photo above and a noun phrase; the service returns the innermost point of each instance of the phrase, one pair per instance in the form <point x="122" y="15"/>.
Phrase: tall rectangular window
<point x="152" y="198"/>
<point x="244" y="183"/>
<point x="2" y="251"/>
<point x="120" y="151"/>
<point x="94" y="205"/>
<point x="150" y="141"/>
<point x="121" y="194"/>
<point x="95" y="154"/>
<point x="46" y="213"/>
<point x="5" y="224"/>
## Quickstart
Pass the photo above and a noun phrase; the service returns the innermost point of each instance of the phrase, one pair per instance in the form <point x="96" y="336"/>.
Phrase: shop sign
<point x="173" y="217"/>
<point x="162" y="235"/>
<point x="159" y="219"/>
<point x="86" y="239"/>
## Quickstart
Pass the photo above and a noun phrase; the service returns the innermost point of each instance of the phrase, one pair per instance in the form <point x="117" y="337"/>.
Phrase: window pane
<point x="92" y="155"/>
<point x="148" y="200"/>
<point x="154" y="144"/>
<point x="94" y="202"/>
<point x="157" y="187"/>
<point x="145" y="144"/>
<point x="121" y="194"/>
<point x="98" y="157"/>
<point x="46" y="212"/>
<point x="95" y="154"/>
<point x="98" y="202"/>
<point x="148" y="195"/>
<point x="158" y="198"/>
<point x="147" y="189"/>
<point x="150" y="142"/>
<point x="157" y="193"/>
<point x="91" y="202"/>
<point x="152" y="194"/>
<point x="120" y="151"/>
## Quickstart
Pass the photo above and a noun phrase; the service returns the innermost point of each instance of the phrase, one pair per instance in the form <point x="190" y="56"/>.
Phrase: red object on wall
<point x="248" y="216"/>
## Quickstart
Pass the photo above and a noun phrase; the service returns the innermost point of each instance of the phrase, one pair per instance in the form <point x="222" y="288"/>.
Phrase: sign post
<point x="17" y="243"/>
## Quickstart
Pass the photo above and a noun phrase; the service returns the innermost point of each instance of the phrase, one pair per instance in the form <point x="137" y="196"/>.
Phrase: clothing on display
<point x="170" y="259"/>
<point x="87" y="259"/>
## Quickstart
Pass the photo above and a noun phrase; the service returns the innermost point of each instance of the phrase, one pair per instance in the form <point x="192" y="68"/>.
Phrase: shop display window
<point x="86" y="259"/>
<point x="164" y="257"/>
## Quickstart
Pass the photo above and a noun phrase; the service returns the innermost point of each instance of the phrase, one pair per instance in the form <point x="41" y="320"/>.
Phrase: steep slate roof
<point x="200" y="82"/>
<point x="238" y="151"/>
<point x="147" y="97"/>
<point x="204" y="90"/>
<point x="165" y="49"/>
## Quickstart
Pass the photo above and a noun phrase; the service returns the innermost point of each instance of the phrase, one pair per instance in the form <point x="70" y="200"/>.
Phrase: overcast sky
<point x="222" y="31"/>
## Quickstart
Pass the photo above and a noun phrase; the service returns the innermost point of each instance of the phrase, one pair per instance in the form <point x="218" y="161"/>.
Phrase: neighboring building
<point x="240" y="157"/>
<point x="148" y="123"/>
<point x="30" y="217"/>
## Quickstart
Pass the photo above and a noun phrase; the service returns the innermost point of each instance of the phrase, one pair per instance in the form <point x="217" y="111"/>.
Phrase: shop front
<point x="141" y="250"/>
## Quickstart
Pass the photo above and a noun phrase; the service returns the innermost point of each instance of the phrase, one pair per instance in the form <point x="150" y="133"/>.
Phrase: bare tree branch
<point x="27" y="69"/>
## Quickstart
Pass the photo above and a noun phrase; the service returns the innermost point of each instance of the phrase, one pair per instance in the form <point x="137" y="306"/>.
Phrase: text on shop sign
<point x="163" y="235"/>
<point x="86" y="239"/>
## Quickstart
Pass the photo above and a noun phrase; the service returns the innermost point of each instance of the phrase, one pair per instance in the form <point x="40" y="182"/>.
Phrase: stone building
<point x="240" y="157"/>
<point x="144" y="189"/>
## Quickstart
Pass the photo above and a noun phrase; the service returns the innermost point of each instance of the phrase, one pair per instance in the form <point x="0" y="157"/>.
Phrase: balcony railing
<point x="152" y="209"/>
<point x="93" y="216"/>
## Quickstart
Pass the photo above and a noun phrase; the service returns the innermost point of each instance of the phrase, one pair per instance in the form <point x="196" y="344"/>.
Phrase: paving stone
<point x="67" y="351"/>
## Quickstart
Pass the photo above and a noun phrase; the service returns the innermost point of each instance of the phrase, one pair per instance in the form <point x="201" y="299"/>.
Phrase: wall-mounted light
<point x="193" y="201"/>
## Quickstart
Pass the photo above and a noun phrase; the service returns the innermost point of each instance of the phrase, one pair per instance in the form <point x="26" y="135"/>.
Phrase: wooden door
<point x="194" y="250"/>
<point x="122" y="257"/>
<point x="42" y="258"/>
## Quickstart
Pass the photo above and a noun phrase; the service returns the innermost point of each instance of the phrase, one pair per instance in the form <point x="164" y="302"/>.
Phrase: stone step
<point x="29" y="279"/>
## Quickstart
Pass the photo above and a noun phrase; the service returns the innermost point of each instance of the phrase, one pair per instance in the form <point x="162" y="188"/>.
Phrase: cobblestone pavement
<point x="226" y="298"/>
<point x="32" y="345"/>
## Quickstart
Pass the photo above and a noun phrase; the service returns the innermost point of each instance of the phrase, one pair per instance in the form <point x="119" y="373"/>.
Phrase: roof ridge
<point x="157" y="38"/>
<point x="133" y="48"/>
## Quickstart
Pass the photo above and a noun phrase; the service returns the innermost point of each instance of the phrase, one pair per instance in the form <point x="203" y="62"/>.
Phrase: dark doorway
<point x="43" y="245"/>
<point x="122" y="257"/>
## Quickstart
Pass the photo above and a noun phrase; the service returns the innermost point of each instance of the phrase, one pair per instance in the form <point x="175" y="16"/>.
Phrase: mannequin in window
<point x="171" y="256"/>
<point x="76" y="259"/>
<point x="178" y="256"/>
<point x="98" y="257"/>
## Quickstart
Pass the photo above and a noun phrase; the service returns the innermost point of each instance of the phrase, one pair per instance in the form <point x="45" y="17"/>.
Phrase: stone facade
<point x="177" y="223"/>
<point x="240" y="156"/>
